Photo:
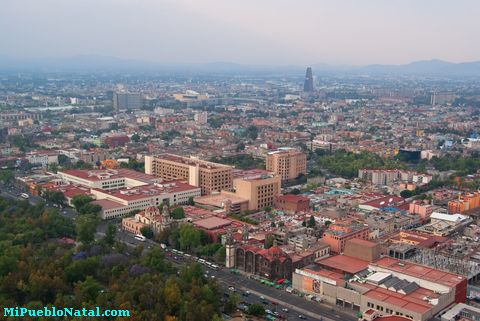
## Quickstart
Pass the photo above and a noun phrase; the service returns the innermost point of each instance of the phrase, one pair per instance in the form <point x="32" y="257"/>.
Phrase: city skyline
<point x="266" y="33"/>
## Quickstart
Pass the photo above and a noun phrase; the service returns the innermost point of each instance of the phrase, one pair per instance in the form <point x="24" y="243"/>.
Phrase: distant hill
<point x="96" y="63"/>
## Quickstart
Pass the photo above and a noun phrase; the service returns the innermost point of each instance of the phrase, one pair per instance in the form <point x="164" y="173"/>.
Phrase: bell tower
<point x="230" y="250"/>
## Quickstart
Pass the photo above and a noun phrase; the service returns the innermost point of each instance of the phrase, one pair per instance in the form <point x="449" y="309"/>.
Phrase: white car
<point x="285" y="310"/>
<point x="231" y="288"/>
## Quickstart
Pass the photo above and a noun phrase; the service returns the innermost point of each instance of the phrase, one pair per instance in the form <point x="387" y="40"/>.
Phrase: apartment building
<point x="210" y="177"/>
<point x="340" y="232"/>
<point x="287" y="162"/>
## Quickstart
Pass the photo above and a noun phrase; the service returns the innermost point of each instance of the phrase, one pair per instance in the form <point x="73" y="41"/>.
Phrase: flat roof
<point x="212" y="223"/>
<point x="218" y="199"/>
<point x="150" y="190"/>
<point x="344" y="263"/>
<point x="420" y="271"/>
<point x="107" y="204"/>
<point x="191" y="161"/>
<point x="95" y="175"/>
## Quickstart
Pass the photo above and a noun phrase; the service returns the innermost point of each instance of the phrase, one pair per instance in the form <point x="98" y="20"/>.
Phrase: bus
<point x="201" y="261"/>
<point x="24" y="195"/>
<point x="215" y="267"/>
<point x="140" y="237"/>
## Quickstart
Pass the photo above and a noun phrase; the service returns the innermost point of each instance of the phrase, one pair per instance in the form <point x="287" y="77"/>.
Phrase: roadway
<point x="260" y="293"/>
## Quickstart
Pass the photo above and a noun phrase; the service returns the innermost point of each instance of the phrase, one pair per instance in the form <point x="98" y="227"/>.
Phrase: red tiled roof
<point x="344" y="263"/>
<point x="420" y="271"/>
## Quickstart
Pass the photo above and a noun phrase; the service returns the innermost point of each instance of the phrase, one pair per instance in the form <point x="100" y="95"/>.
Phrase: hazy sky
<point x="244" y="31"/>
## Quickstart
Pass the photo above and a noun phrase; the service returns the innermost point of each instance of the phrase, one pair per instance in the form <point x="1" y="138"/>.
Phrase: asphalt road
<point x="296" y="305"/>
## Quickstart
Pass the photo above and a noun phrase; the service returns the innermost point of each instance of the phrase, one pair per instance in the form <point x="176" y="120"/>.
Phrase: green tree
<point x="269" y="241"/>
<point x="135" y="138"/>
<point x="256" y="310"/>
<point x="406" y="193"/>
<point x="86" y="228"/>
<point x="110" y="234"/>
<point x="231" y="304"/>
<point x="311" y="222"/>
<point x="177" y="213"/>
<point x="147" y="232"/>
<point x="191" y="201"/>
<point x="6" y="176"/>
<point x="78" y="201"/>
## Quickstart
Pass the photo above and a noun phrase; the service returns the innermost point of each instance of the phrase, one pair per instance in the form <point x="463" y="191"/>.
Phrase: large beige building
<point x="287" y="162"/>
<point x="210" y="177"/>
<point x="259" y="187"/>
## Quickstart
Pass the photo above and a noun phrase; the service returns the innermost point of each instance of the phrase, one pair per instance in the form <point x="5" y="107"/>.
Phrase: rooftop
<point x="343" y="263"/>
<point x="420" y="271"/>
<point x="191" y="161"/>
<point x="107" y="174"/>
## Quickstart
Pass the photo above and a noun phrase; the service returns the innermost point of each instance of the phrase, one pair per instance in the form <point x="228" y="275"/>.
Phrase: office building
<point x="127" y="101"/>
<point x="210" y="177"/>
<point x="308" y="84"/>
<point x="287" y="162"/>
<point x="259" y="187"/>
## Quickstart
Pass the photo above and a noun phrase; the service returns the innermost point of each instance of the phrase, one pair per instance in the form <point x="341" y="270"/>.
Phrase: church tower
<point x="230" y="250"/>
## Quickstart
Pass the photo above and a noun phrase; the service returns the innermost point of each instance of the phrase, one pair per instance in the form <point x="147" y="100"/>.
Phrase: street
<point x="275" y="300"/>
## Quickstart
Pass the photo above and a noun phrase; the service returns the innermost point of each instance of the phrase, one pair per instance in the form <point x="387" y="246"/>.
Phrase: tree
<point x="90" y="209"/>
<point x="86" y="228"/>
<point x="327" y="223"/>
<point x="177" y="213"/>
<point x="147" y="232"/>
<point x="80" y="200"/>
<point x="269" y="241"/>
<point x="240" y="147"/>
<point x="311" y="221"/>
<point x="252" y="132"/>
<point x="191" y="201"/>
<point x="110" y="234"/>
<point x="256" y="310"/>
<point x="231" y="304"/>
<point x="56" y="197"/>
<point x="6" y="176"/>
<point x="406" y="193"/>
<point x="135" y="138"/>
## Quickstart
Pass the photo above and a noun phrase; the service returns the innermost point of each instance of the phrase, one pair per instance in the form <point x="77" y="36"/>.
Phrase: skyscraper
<point x="308" y="85"/>
<point x="122" y="101"/>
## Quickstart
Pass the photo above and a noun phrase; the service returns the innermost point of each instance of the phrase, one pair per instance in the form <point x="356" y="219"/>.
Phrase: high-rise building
<point x="128" y="101"/>
<point x="201" y="118"/>
<point x="308" y="85"/>
<point x="210" y="177"/>
<point x="260" y="188"/>
<point x="287" y="162"/>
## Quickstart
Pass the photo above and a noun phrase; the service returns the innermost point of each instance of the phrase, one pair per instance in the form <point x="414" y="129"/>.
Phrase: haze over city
<point x="271" y="32"/>
<point x="240" y="160"/>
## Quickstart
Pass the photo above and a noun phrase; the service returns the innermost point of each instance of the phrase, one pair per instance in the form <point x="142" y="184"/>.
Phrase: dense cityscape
<point x="220" y="191"/>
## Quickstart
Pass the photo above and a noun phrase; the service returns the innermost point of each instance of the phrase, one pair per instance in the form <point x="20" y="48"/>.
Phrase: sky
<point x="255" y="32"/>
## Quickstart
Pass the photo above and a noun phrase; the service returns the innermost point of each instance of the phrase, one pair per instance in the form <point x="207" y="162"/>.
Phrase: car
<point x="262" y="297"/>
<point x="231" y="288"/>
<point x="300" y="316"/>
<point x="268" y="311"/>
<point x="265" y="302"/>
<point x="212" y="276"/>
<point x="274" y="303"/>
<point x="246" y="293"/>
<point x="285" y="310"/>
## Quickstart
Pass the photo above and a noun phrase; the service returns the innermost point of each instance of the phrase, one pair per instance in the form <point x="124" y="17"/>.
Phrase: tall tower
<point x="229" y="250"/>
<point x="308" y="85"/>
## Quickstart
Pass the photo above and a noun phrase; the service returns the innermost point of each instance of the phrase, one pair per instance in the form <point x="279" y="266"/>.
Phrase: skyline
<point x="373" y="32"/>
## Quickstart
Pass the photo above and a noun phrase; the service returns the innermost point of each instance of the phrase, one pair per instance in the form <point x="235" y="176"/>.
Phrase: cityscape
<point x="227" y="186"/>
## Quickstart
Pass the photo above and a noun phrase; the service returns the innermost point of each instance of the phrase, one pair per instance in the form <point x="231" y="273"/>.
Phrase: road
<point x="296" y="305"/>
